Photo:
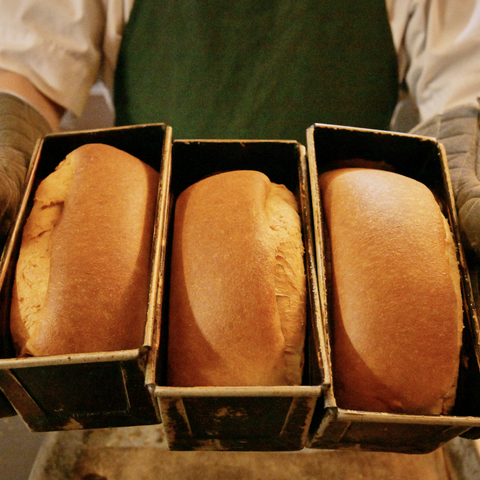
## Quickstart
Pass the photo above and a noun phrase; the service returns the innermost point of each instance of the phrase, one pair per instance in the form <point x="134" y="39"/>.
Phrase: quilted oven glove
<point x="458" y="131"/>
<point x="20" y="127"/>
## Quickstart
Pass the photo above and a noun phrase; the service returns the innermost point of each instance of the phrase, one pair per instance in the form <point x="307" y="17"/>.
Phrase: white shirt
<point x="65" y="46"/>
<point x="438" y="46"/>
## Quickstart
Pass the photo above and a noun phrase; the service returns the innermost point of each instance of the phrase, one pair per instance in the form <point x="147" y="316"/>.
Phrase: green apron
<point x="264" y="69"/>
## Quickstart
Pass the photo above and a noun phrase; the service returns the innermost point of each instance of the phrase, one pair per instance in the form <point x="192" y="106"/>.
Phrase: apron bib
<point x="256" y="69"/>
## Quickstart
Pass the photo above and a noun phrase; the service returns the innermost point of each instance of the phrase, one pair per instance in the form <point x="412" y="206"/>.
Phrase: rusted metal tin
<point x="424" y="159"/>
<point x="241" y="418"/>
<point x="94" y="390"/>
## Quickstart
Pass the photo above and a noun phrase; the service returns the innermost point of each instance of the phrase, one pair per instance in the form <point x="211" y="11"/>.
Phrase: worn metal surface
<point x="423" y="159"/>
<point x="250" y="418"/>
<point x="82" y="390"/>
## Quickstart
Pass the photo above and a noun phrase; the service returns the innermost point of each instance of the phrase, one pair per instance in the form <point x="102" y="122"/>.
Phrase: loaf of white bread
<point x="237" y="308"/>
<point x="82" y="276"/>
<point x="397" y="304"/>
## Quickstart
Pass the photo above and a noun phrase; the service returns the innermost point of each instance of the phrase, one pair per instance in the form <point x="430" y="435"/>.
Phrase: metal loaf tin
<point x="6" y="409"/>
<point x="423" y="159"/>
<point x="241" y="418"/>
<point x="93" y="390"/>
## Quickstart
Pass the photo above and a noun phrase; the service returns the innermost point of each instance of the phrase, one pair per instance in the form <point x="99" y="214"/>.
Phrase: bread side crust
<point x="290" y="286"/>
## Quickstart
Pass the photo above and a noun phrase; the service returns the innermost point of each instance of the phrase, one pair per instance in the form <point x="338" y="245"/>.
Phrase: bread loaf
<point x="397" y="305"/>
<point x="237" y="308"/>
<point x="82" y="275"/>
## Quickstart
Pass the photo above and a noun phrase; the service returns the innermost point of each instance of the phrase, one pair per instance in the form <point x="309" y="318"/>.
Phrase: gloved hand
<point x="20" y="127"/>
<point x="458" y="130"/>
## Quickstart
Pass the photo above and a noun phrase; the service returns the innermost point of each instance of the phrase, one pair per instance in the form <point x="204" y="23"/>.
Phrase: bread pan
<point x="241" y="418"/>
<point x="6" y="409"/>
<point x="93" y="390"/>
<point x="423" y="159"/>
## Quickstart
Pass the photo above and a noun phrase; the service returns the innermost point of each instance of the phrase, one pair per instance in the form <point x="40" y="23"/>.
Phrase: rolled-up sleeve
<point x="438" y="44"/>
<point x="57" y="45"/>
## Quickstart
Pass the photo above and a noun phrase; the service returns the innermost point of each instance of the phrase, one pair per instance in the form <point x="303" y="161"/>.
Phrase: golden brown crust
<point x="397" y="301"/>
<point x="225" y="327"/>
<point x="87" y="242"/>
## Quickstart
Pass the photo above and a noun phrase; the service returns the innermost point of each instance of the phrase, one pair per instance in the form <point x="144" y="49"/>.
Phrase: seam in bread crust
<point x="285" y="226"/>
<point x="34" y="258"/>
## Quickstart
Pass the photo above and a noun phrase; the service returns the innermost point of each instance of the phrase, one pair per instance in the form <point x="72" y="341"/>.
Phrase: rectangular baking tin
<point x="93" y="390"/>
<point x="421" y="158"/>
<point x="241" y="418"/>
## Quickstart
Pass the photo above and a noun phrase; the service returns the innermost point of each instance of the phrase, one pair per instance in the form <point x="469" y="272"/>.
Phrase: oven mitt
<point x="458" y="131"/>
<point x="20" y="127"/>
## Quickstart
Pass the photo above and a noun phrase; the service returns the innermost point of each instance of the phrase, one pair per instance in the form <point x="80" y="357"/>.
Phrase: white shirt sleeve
<point x="63" y="47"/>
<point x="438" y="46"/>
